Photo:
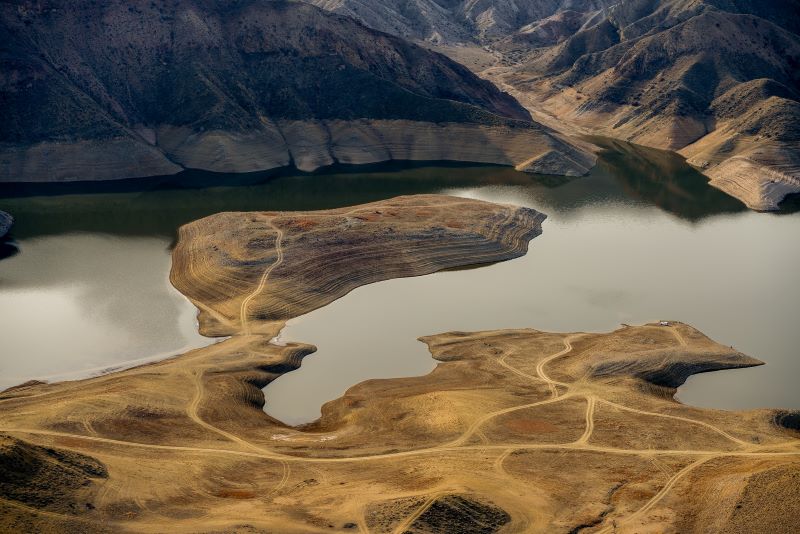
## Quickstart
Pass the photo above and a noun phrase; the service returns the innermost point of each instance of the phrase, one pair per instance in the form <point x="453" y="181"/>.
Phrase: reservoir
<point x="642" y="238"/>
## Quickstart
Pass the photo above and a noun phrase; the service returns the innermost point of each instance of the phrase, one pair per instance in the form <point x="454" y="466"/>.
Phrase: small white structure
<point x="664" y="323"/>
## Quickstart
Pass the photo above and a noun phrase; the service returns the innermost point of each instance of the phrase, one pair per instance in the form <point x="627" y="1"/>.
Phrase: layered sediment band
<point x="244" y="269"/>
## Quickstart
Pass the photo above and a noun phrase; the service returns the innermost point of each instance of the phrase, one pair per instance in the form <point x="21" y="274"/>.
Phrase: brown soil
<point x="516" y="430"/>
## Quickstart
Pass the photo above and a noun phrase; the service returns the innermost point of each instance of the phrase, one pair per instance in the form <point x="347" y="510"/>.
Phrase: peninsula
<point x="517" y="430"/>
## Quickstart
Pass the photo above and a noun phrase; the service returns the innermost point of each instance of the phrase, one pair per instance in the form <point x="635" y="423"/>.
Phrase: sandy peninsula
<point x="514" y="431"/>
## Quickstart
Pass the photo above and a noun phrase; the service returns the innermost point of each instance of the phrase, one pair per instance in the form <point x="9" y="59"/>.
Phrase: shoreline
<point x="475" y="432"/>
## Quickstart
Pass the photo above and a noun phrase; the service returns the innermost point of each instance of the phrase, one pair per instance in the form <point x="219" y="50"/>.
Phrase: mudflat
<point x="515" y="430"/>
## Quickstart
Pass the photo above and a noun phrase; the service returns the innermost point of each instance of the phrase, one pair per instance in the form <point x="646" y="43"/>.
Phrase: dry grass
<point x="516" y="430"/>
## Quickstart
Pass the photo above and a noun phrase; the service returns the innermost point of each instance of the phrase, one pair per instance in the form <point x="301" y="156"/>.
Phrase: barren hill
<point x="453" y="21"/>
<point x="716" y="80"/>
<point x="719" y="84"/>
<point x="514" y="430"/>
<point x="113" y="89"/>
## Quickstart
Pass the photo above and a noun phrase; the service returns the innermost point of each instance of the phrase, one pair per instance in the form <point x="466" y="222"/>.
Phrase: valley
<point x="244" y="88"/>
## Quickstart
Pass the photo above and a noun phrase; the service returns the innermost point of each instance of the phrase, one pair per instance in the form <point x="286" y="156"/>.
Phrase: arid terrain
<point x="514" y="431"/>
<point x="716" y="80"/>
<point x="256" y="85"/>
<point x="110" y="90"/>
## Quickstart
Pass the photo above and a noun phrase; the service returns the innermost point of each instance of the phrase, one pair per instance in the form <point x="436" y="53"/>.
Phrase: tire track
<point x="591" y="400"/>
<point x="268" y="454"/>
<point x="245" y="324"/>
<point x="658" y="496"/>
<point x="679" y="418"/>
<point x="553" y="384"/>
<point x="192" y="411"/>
<point x="404" y="526"/>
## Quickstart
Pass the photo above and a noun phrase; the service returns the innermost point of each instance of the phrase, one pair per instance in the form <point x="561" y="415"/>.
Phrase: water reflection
<point x="642" y="238"/>
<point x="76" y="304"/>
<point x="625" y="173"/>
<point x="595" y="266"/>
<point x="664" y="179"/>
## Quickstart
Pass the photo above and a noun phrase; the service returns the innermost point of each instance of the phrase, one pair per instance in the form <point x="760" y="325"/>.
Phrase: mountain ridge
<point x="716" y="80"/>
<point x="116" y="91"/>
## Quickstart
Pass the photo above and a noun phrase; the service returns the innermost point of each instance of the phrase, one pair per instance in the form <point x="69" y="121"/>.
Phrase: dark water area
<point x="642" y="238"/>
<point x="159" y="205"/>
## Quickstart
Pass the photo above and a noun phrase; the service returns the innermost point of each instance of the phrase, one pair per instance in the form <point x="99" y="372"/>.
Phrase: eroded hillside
<point x="514" y="430"/>
<point x="114" y="90"/>
<point x="716" y="80"/>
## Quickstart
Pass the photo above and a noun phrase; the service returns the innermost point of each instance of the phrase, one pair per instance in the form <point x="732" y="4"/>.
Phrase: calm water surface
<point x="77" y="304"/>
<point x="642" y="238"/>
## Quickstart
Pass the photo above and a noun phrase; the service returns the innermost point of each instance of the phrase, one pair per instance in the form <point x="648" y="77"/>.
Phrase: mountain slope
<point x="721" y="87"/>
<point x="112" y="90"/>
<point x="716" y="80"/>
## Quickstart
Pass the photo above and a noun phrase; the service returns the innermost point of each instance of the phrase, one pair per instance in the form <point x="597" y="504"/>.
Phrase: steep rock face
<point x="113" y="90"/>
<point x="312" y="144"/>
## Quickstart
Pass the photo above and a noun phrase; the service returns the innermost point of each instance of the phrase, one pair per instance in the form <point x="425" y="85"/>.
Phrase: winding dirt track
<point x="678" y="418"/>
<point x="589" y="417"/>
<point x="459" y="445"/>
<point x="193" y="412"/>
<point x="192" y="369"/>
<point x="658" y="496"/>
<point x="243" y="309"/>
<point x="407" y="522"/>
<point x="552" y="384"/>
<point x="591" y="400"/>
<point x="573" y="390"/>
